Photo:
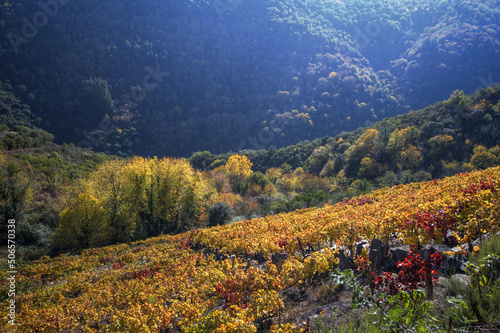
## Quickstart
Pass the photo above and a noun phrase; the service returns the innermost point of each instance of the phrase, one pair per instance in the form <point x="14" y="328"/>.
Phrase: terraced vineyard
<point x="169" y="284"/>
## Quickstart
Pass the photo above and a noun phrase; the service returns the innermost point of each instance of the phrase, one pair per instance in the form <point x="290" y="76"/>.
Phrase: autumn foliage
<point x="163" y="283"/>
<point x="139" y="198"/>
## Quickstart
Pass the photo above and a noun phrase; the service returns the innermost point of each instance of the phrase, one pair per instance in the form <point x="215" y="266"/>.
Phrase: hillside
<point x="188" y="283"/>
<point x="249" y="166"/>
<point x="172" y="78"/>
<point x="440" y="139"/>
<point x="36" y="175"/>
<point x="47" y="186"/>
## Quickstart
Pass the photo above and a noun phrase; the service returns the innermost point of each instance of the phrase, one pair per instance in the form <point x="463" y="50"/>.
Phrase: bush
<point x="309" y="200"/>
<point x="219" y="213"/>
<point x="490" y="254"/>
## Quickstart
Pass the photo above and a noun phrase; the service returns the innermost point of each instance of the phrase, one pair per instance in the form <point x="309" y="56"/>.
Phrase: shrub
<point x="219" y="213"/>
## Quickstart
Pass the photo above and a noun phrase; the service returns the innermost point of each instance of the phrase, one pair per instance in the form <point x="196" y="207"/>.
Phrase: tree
<point x="238" y="168"/>
<point x="318" y="159"/>
<point x="142" y="197"/>
<point x="219" y="213"/>
<point x="220" y="179"/>
<point x="166" y="195"/>
<point x="273" y="174"/>
<point x="364" y="146"/>
<point x="199" y="160"/>
<point x="286" y="168"/>
<point x="411" y="157"/>
<point x="401" y="148"/>
<point x="107" y="183"/>
<point x="83" y="224"/>
<point x="139" y="195"/>
<point x="389" y="180"/>
<point x="258" y="178"/>
<point x="181" y="195"/>
<point x="16" y="190"/>
<point x="440" y="144"/>
<point x="411" y="136"/>
<point x="96" y="98"/>
<point x="483" y="159"/>
<point x="395" y="144"/>
<point x="369" y="168"/>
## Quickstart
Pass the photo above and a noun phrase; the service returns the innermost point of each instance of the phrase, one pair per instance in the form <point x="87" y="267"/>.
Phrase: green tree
<point x="411" y="136"/>
<point x="389" y="180"/>
<point x="96" y="98"/>
<point x="219" y="213"/>
<point x="318" y="159"/>
<point x="16" y="190"/>
<point x="483" y="159"/>
<point x="440" y="147"/>
<point x="369" y="168"/>
<point x="258" y="178"/>
<point x="200" y="160"/>
<point x="395" y="144"/>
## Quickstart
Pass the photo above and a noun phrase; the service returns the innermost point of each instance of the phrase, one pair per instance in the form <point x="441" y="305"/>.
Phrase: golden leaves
<point x="156" y="284"/>
<point x="238" y="166"/>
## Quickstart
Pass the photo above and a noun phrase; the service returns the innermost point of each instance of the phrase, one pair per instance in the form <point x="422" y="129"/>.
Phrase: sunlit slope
<point x="162" y="283"/>
<point x="467" y="203"/>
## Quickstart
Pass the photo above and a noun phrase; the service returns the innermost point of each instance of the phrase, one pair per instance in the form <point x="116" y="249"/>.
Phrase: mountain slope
<point x="466" y="121"/>
<point x="36" y="175"/>
<point x="187" y="283"/>
<point x="220" y="75"/>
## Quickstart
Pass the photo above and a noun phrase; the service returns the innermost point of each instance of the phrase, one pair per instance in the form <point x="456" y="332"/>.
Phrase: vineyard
<point x="222" y="279"/>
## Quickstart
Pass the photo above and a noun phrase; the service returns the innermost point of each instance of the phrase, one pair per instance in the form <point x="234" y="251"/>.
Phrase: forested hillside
<point x="171" y="78"/>
<point x="36" y="175"/>
<point x="449" y="137"/>
<point x="67" y="198"/>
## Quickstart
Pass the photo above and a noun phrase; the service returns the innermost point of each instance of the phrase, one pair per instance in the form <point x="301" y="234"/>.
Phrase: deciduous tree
<point x="83" y="224"/>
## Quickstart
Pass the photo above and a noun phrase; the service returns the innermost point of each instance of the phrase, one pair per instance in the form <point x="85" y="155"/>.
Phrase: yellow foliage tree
<point x="166" y="195"/>
<point x="107" y="184"/>
<point x="239" y="166"/>
<point x="83" y="224"/>
<point x="273" y="174"/>
<point x="364" y="146"/>
<point x="145" y="197"/>
<point x="182" y="194"/>
<point x="137" y="175"/>
<point x="411" y="157"/>
<point x="402" y="148"/>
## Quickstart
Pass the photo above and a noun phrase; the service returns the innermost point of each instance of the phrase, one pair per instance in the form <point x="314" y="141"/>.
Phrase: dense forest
<point x="171" y="78"/>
